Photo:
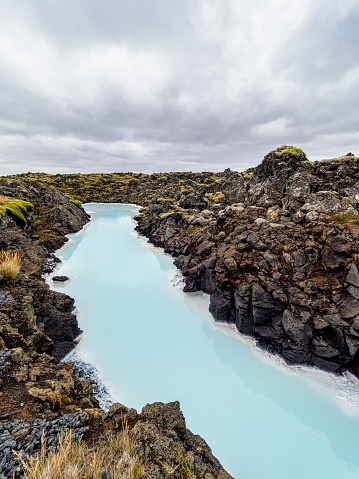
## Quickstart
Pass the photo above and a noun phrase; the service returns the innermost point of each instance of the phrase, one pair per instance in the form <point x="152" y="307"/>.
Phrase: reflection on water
<point x="153" y="343"/>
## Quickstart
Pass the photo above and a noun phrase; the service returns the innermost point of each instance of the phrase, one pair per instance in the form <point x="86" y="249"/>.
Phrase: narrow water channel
<point x="151" y="342"/>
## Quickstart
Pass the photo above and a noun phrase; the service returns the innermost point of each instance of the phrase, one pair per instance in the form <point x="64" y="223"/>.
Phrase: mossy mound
<point x="297" y="153"/>
<point x="215" y="198"/>
<point x="16" y="209"/>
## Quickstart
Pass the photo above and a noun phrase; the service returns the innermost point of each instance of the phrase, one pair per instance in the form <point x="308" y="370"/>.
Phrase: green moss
<point x="194" y="229"/>
<point x="342" y="159"/>
<point x="186" y="189"/>
<point x="164" y="200"/>
<point x="163" y="216"/>
<point x="215" y="198"/>
<point x="143" y="212"/>
<point x="247" y="176"/>
<point x="291" y="150"/>
<point x="73" y="201"/>
<point x="16" y="209"/>
<point x="341" y="219"/>
<point x="308" y="163"/>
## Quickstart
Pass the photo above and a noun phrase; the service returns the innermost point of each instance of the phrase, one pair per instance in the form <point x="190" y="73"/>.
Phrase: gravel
<point x="24" y="437"/>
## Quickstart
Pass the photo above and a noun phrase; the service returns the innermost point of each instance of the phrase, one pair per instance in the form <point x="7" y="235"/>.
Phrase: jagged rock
<point x="340" y="245"/>
<point x="332" y="260"/>
<point x="326" y="203"/>
<point x="298" y="330"/>
<point x="121" y="414"/>
<point x="323" y="348"/>
<point x="220" y="306"/>
<point x="162" y="438"/>
<point x="349" y="307"/>
<point x="353" y="275"/>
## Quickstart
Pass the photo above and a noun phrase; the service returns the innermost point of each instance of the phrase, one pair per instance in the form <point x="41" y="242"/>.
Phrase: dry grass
<point x="4" y="200"/>
<point x="114" y="454"/>
<point x="10" y="264"/>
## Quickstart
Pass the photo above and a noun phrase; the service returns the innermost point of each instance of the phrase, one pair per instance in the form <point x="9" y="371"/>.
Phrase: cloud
<point x="156" y="85"/>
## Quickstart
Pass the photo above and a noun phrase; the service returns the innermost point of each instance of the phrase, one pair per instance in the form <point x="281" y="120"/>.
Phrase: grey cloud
<point x="136" y="22"/>
<point x="156" y="85"/>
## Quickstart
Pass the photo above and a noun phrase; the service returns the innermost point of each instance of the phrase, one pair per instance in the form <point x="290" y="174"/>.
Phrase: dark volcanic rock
<point x="162" y="437"/>
<point x="282" y="262"/>
<point x="36" y="318"/>
<point x="24" y="437"/>
<point x="60" y="279"/>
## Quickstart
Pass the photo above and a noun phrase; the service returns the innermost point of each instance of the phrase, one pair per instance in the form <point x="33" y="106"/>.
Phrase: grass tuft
<point x="113" y="456"/>
<point x="10" y="264"/>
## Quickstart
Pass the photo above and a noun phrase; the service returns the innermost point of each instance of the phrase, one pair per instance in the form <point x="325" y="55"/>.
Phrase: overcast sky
<point x="169" y="85"/>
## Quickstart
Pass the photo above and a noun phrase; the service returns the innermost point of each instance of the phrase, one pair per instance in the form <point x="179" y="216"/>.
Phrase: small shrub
<point x="186" y="469"/>
<point x="10" y="264"/>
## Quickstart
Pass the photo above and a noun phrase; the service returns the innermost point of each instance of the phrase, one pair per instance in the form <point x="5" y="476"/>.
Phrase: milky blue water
<point x="152" y="343"/>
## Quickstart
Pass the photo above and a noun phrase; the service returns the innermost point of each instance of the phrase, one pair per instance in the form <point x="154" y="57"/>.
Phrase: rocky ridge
<point x="278" y="254"/>
<point x="38" y="393"/>
<point x="275" y="247"/>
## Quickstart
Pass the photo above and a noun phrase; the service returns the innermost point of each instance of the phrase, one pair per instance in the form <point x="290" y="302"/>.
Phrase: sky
<point x="173" y="85"/>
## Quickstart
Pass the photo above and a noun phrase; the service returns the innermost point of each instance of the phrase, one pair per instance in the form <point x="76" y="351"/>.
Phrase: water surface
<point x="152" y="342"/>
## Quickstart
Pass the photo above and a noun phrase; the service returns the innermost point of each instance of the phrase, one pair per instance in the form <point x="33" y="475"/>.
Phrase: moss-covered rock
<point x="18" y="210"/>
<point x="294" y="151"/>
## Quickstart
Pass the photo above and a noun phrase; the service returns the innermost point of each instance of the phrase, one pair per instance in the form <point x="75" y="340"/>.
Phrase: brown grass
<point x="4" y="200"/>
<point x="10" y="264"/>
<point x="113" y="454"/>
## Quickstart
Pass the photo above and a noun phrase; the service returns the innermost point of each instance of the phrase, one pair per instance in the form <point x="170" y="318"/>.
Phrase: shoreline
<point x="341" y="383"/>
<point x="84" y="370"/>
<point x="344" y="387"/>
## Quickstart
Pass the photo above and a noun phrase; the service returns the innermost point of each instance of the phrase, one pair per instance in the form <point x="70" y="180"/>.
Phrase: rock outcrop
<point x="281" y="264"/>
<point x="165" y="444"/>
<point x="35" y="318"/>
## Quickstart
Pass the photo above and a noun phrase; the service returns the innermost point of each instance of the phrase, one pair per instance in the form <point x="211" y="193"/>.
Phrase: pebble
<point x="4" y="299"/>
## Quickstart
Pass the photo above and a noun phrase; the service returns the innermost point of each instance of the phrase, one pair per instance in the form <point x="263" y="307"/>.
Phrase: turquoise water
<point x="154" y="343"/>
